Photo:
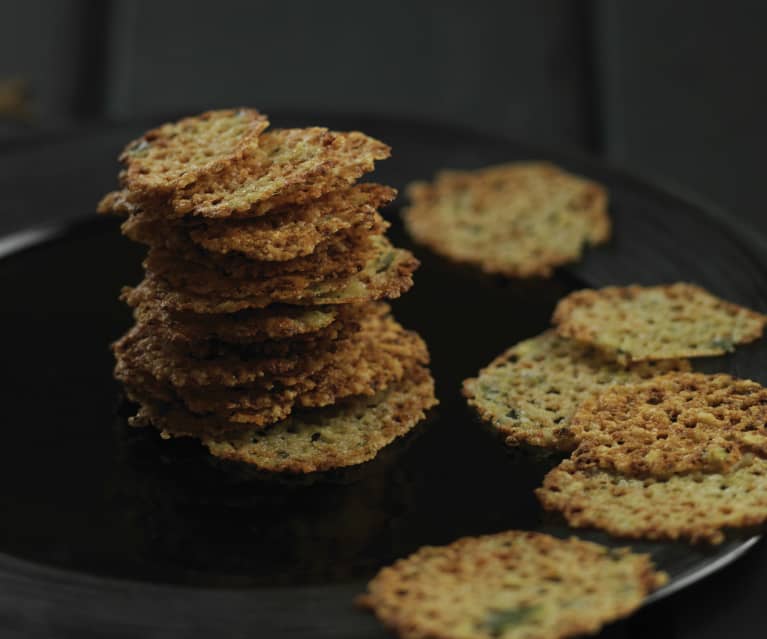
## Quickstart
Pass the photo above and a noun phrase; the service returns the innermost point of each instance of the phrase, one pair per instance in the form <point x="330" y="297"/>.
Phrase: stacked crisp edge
<point x="260" y="326"/>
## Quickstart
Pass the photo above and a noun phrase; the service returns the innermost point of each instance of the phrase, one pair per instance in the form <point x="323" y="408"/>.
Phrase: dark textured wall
<point x="521" y="68"/>
<point x="670" y="89"/>
<point x="517" y="67"/>
<point x="40" y="48"/>
<point x="684" y="95"/>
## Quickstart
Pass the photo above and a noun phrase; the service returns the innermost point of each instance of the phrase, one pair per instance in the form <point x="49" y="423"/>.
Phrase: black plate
<point x="108" y="527"/>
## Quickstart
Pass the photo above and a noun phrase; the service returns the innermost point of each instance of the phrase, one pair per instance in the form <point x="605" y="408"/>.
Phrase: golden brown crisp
<point x="218" y="275"/>
<point x="187" y="240"/>
<point x="348" y="246"/>
<point x="261" y="390"/>
<point x="281" y="235"/>
<point x="298" y="231"/>
<point x="530" y="392"/>
<point x="387" y="275"/>
<point x="160" y="406"/>
<point x="696" y="507"/>
<point x="637" y="323"/>
<point x="520" y="219"/>
<point x="369" y="367"/>
<point x="145" y="347"/>
<point x="262" y="290"/>
<point x="343" y="435"/>
<point x="248" y="327"/>
<point x="364" y="365"/>
<point x="513" y="585"/>
<point x="178" y="154"/>
<point x="116" y="203"/>
<point x="672" y="424"/>
<point x="290" y="166"/>
<point x="349" y="433"/>
<point x="137" y="209"/>
<point x="146" y="351"/>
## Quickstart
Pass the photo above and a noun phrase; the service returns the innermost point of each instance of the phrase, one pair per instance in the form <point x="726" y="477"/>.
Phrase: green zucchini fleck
<point x="724" y="343"/>
<point x="488" y="391"/>
<point x="498" y="621"/>
<point x="385" y="262"/>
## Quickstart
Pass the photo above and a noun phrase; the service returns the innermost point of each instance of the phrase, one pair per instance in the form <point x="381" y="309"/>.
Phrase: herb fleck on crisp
<point x="498" y="621"/>
<point x="385" y="262"/>
<point x="723" y="343"/>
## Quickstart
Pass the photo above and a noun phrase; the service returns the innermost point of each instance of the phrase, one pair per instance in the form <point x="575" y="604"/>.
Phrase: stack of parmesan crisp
<point x="259" y="324"/>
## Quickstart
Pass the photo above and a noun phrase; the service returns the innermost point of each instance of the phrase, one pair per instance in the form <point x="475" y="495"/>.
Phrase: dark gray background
<point x="674" y="90"/>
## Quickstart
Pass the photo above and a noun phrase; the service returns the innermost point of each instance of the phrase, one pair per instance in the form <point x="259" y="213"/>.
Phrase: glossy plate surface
<point x="110" y="527"/>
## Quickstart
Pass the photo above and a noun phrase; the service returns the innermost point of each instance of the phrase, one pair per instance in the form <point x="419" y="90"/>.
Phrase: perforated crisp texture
<point x="234" y="277"/>
<point x="265" y="389"/>
<point x="386" y="276"/>
<point x="530" y="392"/>
<point x="189" y="333"/>
<point x="179" y="238"/>
<point x="298" y="232"/>
<point x="635" y="323"/>
<point x="289" y="166"/>
<point x="144" y="351"/>
<point x="145" y="348"/>
<point x="513" y="585"/>
<point x="125" y="203"/>
<point x="373" y="367"/>
<point x="698" y="508"/>
<point x="343" y="435"/>
<point x="162" y="409"/>
<point x="199" y="411"/>
<point x="519" y="220"/>
<point x="274" y="323"/>
<point x="279" y="236"/>
<point x="672" y="424"/>
<point x="177" y="154"/>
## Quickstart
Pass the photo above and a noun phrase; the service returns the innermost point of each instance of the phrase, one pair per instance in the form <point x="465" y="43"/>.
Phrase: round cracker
<point x="361" y="367"/>
<point x="373" y="368"/>
<point x="279" y="323"/>
<point x="203" y="273"/>
<point x="290" y="166"/>
<point x="264" y="390"/>
<point x="694" y="507"/>
<point x="146" y="349"/>
<point x="160" y="406"/>
<point x="514" y="584"/>
<point x="178" y="154"/>
<point x="342" y="435"/>
<point x="254" y="411"/>
<point x="280" y="236"/>
<point x="672" y="424"/>
<point x="386" y="275"/>
<point x="531" y="391"/>
<point x="520" y="219"/>
<point x="299" y="231"/>
<point x="638" y="323"/>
